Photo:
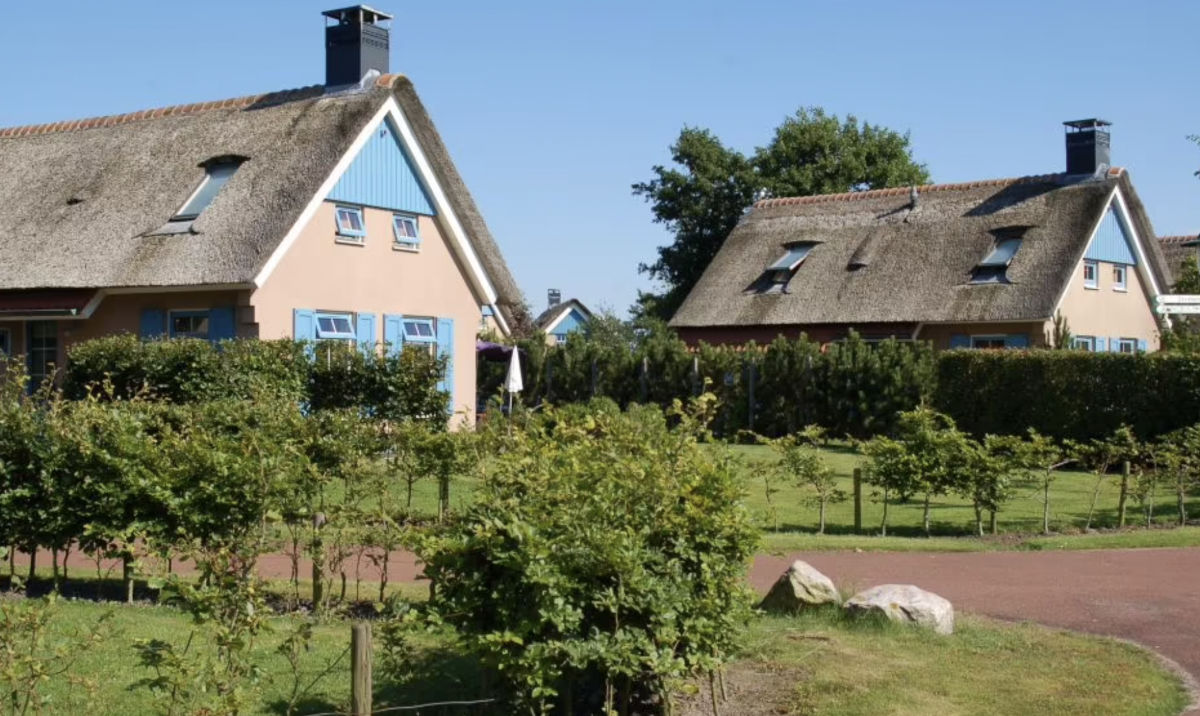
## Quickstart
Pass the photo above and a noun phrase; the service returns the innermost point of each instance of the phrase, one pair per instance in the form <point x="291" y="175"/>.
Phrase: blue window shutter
<point x="1101" y="344"/>
<point x="958" y="340"/>
<point x="393" y="333"/>
<point x="1016" y="340"/>
<point x="365" y="333"/>
<point x="1141" y="346"/>
<point x="220" y="323"/>
<point x="304" y="324"/>
<point x="1114" y="345"/>
<point x="445" y="339"/>
<point x="153" y="323"/>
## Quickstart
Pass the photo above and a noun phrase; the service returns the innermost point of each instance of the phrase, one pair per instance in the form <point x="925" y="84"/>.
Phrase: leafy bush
<point x="603" y="559"/>
<point x="400" y="386"/>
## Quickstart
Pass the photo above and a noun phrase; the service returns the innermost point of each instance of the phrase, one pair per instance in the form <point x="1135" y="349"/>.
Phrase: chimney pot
<point x="355" y="44"/>
<point x="1088" y="146"/>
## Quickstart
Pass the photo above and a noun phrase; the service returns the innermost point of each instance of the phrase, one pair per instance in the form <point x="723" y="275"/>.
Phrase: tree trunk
<point x="32" y="564"/>
<point x="1150" y="507"/>
<point x="1046" y="507"/>
<point x="1095" y="497"/>
<point x="408" y="502"/>
<point x="821" y="526"/>
<point x="992" y="519"/>
<point x="1124" y="494"/>
<point x="1180" y="498"/>
<point x="883" y="524"/>
<point x="127" y="575"/>
<point x="383" y="575"/>
<point x="978" y="519"/>
<point x="925" y="516"/>
<point x="54" y="567"/>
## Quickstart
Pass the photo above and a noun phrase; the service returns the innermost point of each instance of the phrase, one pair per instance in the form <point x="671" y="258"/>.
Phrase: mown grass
<point x="851" y="667"/>
<point x="814" y="664"/>
<point x="781" y="542"/>
<point x="790" y="510"/>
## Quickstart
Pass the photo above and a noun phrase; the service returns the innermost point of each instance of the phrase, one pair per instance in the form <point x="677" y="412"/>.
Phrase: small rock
<point x="800" y="586"/>
<point x="906" y="603"/>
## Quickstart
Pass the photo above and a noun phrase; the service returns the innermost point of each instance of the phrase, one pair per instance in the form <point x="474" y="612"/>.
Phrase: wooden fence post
<point x="1124" y="494"/>
<point x="697" y="384"/>
<point x="858" y="499"/>
<point x="360" y="669"/>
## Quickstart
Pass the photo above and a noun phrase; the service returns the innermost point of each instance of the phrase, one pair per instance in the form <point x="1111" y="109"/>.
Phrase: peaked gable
<point x="382" y="176"/>
<point x="1112" y="241"/>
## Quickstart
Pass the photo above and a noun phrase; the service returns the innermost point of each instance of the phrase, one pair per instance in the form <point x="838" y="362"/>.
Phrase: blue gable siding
<point x="1112" y="242"/>
<point x="573" y="321"/>
<point x="382" y="176"/>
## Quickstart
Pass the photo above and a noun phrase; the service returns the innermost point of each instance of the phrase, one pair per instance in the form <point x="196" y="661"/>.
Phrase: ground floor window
<point x="419" y="333"/>
<point x="42" y="350"/>
<point x="1127" y="345"/>
<point x="1084" y="343"/>
<point x="335" y="326"/>
<point x="189" y="324"/>
<point x="5" y="342"/>
<point x="988" y="342"/>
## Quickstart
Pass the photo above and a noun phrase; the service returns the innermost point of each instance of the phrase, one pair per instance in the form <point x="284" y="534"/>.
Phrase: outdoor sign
<point x="1172" y="305"/>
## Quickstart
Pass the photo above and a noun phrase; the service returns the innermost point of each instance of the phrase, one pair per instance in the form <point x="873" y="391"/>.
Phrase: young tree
<point x="799" y="460"/>
<point x="1179" y="455"/>
<point x="701" y="201"/>
<point x="1043" y="456"/>
<point x="893" y="469"/>
<point x="1102" y="455"/>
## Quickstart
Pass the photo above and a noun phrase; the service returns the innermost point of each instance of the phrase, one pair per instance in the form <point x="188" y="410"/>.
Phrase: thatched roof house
<point x="1178" y="248"/>
<point x="986" y="263"/>
<point x="328" y="212"/>
<point x="561" y="318"/>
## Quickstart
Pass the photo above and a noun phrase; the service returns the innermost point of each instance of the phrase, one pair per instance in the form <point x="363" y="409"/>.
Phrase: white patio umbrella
<point x="513" y="384"/>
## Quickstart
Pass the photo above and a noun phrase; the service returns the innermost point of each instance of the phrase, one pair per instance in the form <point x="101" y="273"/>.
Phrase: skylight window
<point x="791" y="259"/>
<point x="217" y="173"/>
<point x="993" y="268"/>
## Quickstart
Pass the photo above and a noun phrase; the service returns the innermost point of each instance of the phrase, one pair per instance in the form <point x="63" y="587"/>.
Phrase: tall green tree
<point x="703" y="196"/>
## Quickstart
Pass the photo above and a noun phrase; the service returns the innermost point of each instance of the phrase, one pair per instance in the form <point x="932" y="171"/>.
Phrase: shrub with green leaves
<point x="603" y="559"/>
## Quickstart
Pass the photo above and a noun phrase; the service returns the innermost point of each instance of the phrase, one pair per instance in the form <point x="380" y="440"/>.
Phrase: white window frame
<point x="190" y="312"/>
<point x="348" y="234"/>
<point x="991" y="337"/>
<point x="1094" y="282"/>
<point x="1130" y="343"/>
<point x="1086" y="343"/>
<point x="334" y="335"/>
<point x="1123" y="283"/>
<point x="5" y="342"/>
<point x="426" y="343"/>
<point x="406" y="243"/>
<point x="560" y="339"/>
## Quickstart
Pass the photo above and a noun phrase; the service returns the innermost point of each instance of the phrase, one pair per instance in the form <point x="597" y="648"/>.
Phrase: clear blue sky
<point x="551" y="109"/>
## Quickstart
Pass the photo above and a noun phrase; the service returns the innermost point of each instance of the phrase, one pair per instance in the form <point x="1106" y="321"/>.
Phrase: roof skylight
<point x="994" y="266"/>
<point x="216" y="174"/>
<point x="792" y="258"/>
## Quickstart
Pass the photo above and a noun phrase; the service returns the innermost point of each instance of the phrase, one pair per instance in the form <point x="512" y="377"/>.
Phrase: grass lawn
<point x="812" y="664"/>
<point x="791" y="510"/>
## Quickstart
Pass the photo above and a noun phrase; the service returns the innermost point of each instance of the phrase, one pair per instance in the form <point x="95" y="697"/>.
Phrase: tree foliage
<point x="701" y="198"/>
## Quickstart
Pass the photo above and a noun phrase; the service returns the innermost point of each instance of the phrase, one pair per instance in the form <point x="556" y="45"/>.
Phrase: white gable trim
<point x="558" y="319"/>
<point x="1143" y="265"/>
<point x="462" y="248"/>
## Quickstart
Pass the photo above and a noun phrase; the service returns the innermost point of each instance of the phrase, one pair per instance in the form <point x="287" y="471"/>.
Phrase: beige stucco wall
<point x="940" y="334"/>
<point x="1106" y="312"/>
<point x="322" y="274"/>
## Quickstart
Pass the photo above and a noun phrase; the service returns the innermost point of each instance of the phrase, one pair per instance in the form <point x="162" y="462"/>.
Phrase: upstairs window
<point x="994" y="267"/>
<point x="1091" y="274"/>
<point x="217" y="174"/>
<point x="189" y="324"/>
<point x="1120" y="273"/>
<point x="335" y="327"/>
<point x="406" y="232"/>
<point x="350" y="224"/>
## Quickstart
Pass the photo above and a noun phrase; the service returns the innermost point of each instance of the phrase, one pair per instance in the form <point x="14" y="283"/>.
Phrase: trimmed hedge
<point x="1068" y="394"/>
<point x="330" y="376"/>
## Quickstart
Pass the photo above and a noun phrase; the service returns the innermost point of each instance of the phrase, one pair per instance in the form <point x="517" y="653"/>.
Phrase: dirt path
<point x="1150" y="596"/>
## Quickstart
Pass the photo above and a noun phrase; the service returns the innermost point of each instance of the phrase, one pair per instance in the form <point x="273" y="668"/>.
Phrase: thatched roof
<point x="879" y="260"/>
<point x="79" y="200"/>
<point x="1177" y="248"/>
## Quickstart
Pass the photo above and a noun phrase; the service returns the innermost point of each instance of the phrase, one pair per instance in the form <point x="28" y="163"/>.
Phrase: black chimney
<point x="553" y="297"/>
<point x="1087" y="146"/>
<point x="354" y="44"/>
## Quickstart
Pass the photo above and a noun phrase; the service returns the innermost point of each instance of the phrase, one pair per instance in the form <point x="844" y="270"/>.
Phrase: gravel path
<point x="1150" y="596"/>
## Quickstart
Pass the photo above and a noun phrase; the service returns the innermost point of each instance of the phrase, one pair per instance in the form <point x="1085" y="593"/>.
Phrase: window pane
<point x="1002" y="253"/>
<point x="217" y="175"/>
<point x="341" y="324"/>
<point x="325" y="324"/>
<point x="791" y="258"/>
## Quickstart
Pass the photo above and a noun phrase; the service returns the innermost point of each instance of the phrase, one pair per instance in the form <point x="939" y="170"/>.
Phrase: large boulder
<point x="800" y="586"/>
<point x="906" y="603"/>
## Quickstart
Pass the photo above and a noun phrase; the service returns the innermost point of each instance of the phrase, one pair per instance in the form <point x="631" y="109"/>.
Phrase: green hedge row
<point x="1068" y="394"/>
<point x="328" y="375"/>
